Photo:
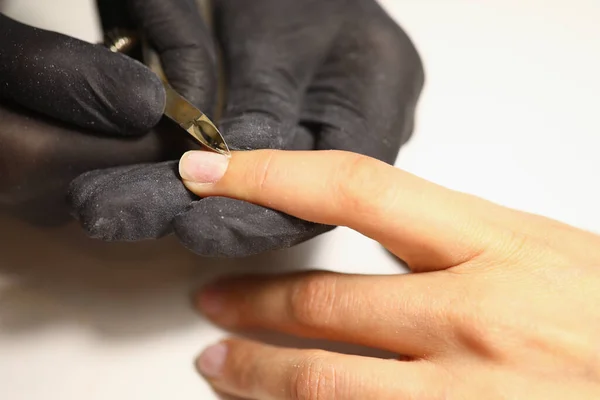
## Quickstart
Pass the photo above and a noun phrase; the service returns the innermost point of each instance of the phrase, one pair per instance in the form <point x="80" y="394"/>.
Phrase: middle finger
<point x="401" y="313"/>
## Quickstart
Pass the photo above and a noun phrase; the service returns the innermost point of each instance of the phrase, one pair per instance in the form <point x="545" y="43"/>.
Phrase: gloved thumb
<point x="77" y="82"/>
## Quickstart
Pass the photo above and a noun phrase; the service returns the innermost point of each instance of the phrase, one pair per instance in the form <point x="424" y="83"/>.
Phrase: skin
<point x="500" y="304"/>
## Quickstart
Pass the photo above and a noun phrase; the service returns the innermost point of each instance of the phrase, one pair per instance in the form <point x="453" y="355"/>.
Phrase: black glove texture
<point x="68" y="107"/>
<point x="301" y="74"/>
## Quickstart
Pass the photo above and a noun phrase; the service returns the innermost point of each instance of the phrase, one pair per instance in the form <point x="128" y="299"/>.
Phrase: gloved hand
<point x="301" y="74"/>
<point x="67" y="107"/>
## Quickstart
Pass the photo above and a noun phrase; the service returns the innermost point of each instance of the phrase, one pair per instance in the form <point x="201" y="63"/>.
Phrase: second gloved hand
<point x="67" y="106"/>
<point x="301" y="74"/>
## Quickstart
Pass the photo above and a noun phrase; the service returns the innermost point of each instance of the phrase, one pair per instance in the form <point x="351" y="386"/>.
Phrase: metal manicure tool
<point x="177" y="108"/>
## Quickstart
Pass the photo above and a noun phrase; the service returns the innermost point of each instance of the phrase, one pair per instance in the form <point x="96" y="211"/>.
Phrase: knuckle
<point x="386" y="39"/>
<point x="261" y="172"/>
<point x="245" y="378"/>
<point x="272" y="94"/>
<point x="514" y="244"/>
<point x="241" y="369"/>
<point x="357" y="183"/>
<point x="475" y="333"/>
<point x="313" y="379"/>
<point x="468" y="314"/>
<point x="512" y="247"/>
<point x="312" y="300"/>
<point x="395" y="49"/>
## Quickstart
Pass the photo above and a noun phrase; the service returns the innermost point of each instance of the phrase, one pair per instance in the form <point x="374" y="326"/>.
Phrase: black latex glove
<point x="302" y="74"/>
<point x="67" y="107"/>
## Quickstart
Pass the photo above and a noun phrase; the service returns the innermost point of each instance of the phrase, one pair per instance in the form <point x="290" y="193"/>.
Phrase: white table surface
<point x="510" y="113"/>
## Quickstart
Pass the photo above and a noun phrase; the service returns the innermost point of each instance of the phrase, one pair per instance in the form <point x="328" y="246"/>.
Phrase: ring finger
<point x="255" y="371"/>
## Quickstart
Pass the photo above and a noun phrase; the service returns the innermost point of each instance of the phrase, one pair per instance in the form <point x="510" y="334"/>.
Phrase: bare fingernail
<point x="211" y="361"/>
<point x="211" y="301"/>
<point x="204" y="167"/>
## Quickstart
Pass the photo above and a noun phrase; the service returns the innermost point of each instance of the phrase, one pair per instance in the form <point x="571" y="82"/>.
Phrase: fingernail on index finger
<point x="203" y="167"/>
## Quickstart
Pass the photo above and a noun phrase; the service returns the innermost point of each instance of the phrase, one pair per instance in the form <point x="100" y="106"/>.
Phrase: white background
<point x="510" y="113"/>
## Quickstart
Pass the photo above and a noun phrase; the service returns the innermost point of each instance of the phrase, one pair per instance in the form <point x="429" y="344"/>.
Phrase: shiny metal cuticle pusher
<point x="177" y="108"/>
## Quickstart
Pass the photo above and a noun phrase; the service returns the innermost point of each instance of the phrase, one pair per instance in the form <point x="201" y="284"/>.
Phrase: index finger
<point x="424" y="224"/>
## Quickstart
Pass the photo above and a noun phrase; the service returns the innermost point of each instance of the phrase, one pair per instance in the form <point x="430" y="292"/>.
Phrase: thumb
<point x="77" y="82"/>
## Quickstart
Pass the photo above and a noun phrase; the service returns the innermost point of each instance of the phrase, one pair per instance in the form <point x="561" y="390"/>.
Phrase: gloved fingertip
<point x="78" y="82"/>
<point x="130" y="97"/>
<point x="255" y="131"/>
<point x="149" y="100"/>
<point x="129" y="203"/>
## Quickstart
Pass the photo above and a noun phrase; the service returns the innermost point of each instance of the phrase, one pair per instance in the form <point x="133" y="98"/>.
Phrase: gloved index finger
<point x="77" y="82"/>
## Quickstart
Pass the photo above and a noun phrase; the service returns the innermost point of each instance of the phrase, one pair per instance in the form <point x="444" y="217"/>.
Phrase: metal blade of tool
<point x="177" y="108"/>
<point x="185" y="114"/>
<point x="194" y="121"/>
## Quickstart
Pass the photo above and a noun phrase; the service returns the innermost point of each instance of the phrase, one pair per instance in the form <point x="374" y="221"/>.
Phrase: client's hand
<point x="501" y="304"/>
